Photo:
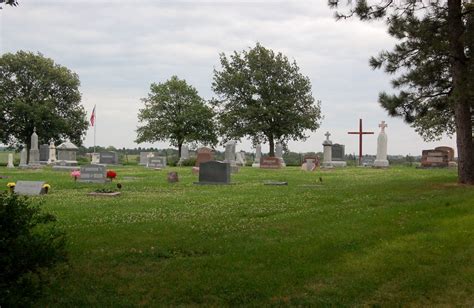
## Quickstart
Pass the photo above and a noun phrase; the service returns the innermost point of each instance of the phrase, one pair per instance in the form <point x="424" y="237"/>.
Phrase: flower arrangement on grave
<point x="111" y="175"/>
<point x="76" y="174"/>
<point x="11" y="186"/>
<point x="46" y="188"/>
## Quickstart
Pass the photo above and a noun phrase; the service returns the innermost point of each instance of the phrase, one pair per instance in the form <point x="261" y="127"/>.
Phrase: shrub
<point x="31" y="245"/>
<point x="190" y="162"/>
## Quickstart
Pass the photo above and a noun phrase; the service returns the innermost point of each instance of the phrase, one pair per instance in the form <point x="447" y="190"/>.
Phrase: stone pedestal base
<point x="382" y="163"/>
<point x="339" y="164"/>
<point x="327" y="165"/>
<point x="256" y="165"/>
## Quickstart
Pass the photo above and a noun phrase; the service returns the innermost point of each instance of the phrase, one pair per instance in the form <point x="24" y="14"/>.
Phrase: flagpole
<point x="95" y="126"/>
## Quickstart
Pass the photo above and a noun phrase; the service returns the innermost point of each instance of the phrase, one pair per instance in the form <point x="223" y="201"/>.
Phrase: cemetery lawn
<point x="401" y="236"/>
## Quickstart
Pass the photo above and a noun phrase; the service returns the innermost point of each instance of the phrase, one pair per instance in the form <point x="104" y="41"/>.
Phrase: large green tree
<point x="175" y="112"/>
<point x="263" y="96"/>
<point x="36" y="92"/>
<point x="433" y="67"/>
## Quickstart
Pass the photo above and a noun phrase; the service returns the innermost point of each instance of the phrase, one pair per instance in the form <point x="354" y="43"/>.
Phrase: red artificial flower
<point x="111" y="174"/>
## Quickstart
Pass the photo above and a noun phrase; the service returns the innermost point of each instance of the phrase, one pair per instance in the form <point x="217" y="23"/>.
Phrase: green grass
<point x="401" y="236"/>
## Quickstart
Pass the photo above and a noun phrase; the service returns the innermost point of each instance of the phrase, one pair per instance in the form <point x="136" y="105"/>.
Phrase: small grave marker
<point x="93" y="174"/>
<point x="270" y="163"/>
<point x="173" y="177"/>
<point x="29" y="188"/>
<point x="156" y="162"/>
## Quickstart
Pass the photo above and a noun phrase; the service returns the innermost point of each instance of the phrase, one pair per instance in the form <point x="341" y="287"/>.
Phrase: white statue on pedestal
<point x="381" y="160"/>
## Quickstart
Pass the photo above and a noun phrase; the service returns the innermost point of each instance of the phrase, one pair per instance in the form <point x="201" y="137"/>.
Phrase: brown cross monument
<point x="360" y="133"/>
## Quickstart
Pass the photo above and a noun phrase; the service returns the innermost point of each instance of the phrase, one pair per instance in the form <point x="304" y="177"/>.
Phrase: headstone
<point x="93" y="174"/>
<point x="44" y="153"/>
<point x="309" y="165"/>
<point x="279" y="153"/>
<point x="52" y="153"/>
<point x="29" y="188"/>
<point x="338" y="155"/>
<point x="95" y="158"/>
<point x="156" y="162"/>
<point x="270" y="163"/>
<point x="230" y="152"/>
<point x="204" y="155"/>
<point x="337" y="152"/>
<point x="108" y="158"/>
<point x="66" y="157"/>
<point x="23" y="157"/>
<point x="381" y="160"/>
<point x="258" y="155"/>
<point x="10" y="161"/>
<point x="368" y="162"/>
<point x="240" y="158"/>
<point x="450" y="151"/>
<point x="173" y="177"/>
<point x="434" y="158"/>
<point x="327" y="152"/>
<point x="184" y="154"/>
<point x="144" y="157"/>
<point x="214" y="172"/>
<point x="34" y="161"/>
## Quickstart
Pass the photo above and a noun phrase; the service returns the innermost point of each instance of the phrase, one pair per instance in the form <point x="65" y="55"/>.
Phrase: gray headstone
<point x="144" y="157"/>
<point x="156" y="162"/>
<point x="338" y="152"/>
<point x="34" y="151"/>
<point x="110" y="158"/>
<point x="93" y="174"/>
<point x="29" y="188"/>
<point x="23" y="157"/>
<point x="44" y="152"/>
<point x="214" y="172"/>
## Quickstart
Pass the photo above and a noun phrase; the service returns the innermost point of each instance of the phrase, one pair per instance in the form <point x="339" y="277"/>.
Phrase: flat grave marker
<point x="93" y="174"/>
<point x="29" y="188"/>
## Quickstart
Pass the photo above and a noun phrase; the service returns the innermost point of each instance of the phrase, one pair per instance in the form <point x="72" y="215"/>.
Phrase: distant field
<point x="364" y="237"/>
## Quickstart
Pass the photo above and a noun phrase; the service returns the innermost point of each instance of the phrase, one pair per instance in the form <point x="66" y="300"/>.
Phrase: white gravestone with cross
<point x="381" y="160"/>
<point x="327" y="152"/>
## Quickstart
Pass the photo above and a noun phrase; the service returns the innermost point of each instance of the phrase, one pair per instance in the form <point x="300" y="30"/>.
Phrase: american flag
<point x="93" y="117"/>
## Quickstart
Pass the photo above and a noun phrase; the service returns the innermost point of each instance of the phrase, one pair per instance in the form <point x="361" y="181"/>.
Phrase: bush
<point x="190" y="162"/>
<point x="31" y="245"/>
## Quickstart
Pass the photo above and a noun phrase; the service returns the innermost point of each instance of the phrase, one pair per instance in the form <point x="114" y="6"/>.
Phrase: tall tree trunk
<point x="180" y="145"/>
<point x="459" y="73"/>
<point x="271" y="144"/>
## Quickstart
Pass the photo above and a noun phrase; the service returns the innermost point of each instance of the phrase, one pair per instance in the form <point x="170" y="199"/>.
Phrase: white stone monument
<point x="240" y="158"/>
<point x="34" y="161"/>
<point x="279" y="153"/>
<point x="230" y="155"/>
<point x="52" y="153"/>
<point x="10" y="161"/>
<point x="258" y="155"/>
<point x="23" y="157"/>
<point x="327" y="152"/>
<point x="381" y="160"/>
<point x="184" y="154"/>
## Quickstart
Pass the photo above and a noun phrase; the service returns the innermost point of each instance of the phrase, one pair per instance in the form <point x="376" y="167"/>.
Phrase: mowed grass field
<point x="401" y="236"/>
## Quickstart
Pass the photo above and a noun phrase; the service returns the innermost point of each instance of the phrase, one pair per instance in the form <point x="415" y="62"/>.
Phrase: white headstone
<point x="34" y="151"/>
<point x="23" y="157"/>
<point x="52" y="153"/>
<point x="258" y="155"/>
<point x="184" y="154"/>
<point x="240" y="157"/>
<point x="10" y="161"/>
<point x="381" y="160"/>
<point x="327" y="152"/>
<point x="279" y="153"/>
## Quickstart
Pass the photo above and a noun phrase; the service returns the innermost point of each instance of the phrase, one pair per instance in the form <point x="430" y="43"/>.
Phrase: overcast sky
<point x="118" y="48"/>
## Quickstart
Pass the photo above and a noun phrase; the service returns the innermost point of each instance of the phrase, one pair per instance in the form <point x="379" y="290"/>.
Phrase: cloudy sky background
<point x="118" y="48"/>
